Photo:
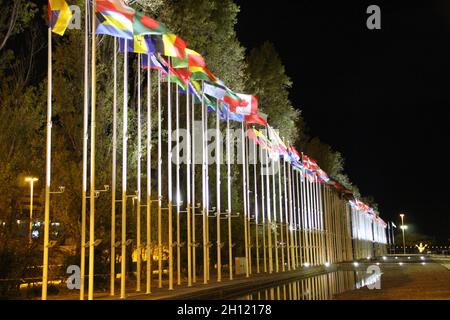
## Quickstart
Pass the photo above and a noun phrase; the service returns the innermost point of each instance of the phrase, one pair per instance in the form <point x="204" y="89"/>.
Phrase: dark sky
<point x="381" y="97"/>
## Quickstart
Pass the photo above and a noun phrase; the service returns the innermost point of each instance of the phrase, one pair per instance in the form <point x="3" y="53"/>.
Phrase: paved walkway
<point x="410" y="281"/>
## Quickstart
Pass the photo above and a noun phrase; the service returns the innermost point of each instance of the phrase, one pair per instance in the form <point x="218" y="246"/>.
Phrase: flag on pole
<point x="59" y="16"/>
<point x="114" y="18"/>
<point x="248" y="104"/>
<point x="278" y="144"/>
<point x="145" y="25"/>
<point x="255" y="119"/>
<point x="225" y="114"/>
<point x="191" y="59"/>
<point x="310" y="163"/>
<point x="214" y="91"/>
<point x="154" y="63"/>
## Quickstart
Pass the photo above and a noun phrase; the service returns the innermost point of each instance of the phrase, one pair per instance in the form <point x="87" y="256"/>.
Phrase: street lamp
<point x="403" y="227"/>
<point x="31" y="180"/>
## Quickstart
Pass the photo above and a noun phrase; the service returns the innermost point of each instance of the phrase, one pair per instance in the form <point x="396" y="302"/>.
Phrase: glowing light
<point x="409" y="258"/>
<point x="422" y="258"/>
<point x="368" y="258"/>
<point x="384" y="258"/>
<point x="423" y="263"/>
<point x="378" y="263"/>
<point x="396" y="258"/>
<point x="327" y="264"/>
<point x="400" y="263"/>
<point x="355" y="264"/>
<point x="306" y="264"/>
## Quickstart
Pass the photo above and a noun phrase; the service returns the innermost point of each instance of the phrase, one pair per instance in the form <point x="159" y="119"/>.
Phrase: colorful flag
<point x="256" y="119"/>
<point x="278" y="143"/>
<point x="145" y="25"/>
<point x="202" y="73"/>
<point x="139" y="44"/>
<point x="214" y="91"/>
<point x="59" y="16"/>
<point x="170" y="45"/>
<point x="323" y="177"/>
<point x="248" y="104"/>
<point x="114" y="18"/>
<point x="226" y="114"/>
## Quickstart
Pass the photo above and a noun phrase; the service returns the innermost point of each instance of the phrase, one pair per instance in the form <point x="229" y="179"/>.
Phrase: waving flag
<point x="114" y="18"/>
<point x="170" y="45"/>
<point x="202" y="73"/>
<point x="191" y="59"/>
<point x="226" y="114"/>
<point x="248" y="105"/>
<point x="323" y="177"/>
<point x="143" y="25"/>
<point x="310" y="163"/>
<point x="139" y="44"/>
<point x="255" y="119"/>
<point x="278" y="143"/>
<point x="214" y="91"/>
<point x="152" y="62"/>
<point x="59" y="16"/>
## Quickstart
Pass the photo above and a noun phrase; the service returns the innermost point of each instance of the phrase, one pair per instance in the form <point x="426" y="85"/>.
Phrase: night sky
<point x="381" y="97"/>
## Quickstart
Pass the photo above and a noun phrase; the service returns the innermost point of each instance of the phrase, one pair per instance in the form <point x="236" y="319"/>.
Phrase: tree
<point x="267" y="79"/>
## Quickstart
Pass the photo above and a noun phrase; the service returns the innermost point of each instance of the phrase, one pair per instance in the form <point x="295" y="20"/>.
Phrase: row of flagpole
<point x="312" y="221"/>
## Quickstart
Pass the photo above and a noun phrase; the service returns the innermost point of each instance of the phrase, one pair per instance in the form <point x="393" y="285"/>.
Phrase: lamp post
<point x="403" y="227"/>
<point x="31" y="180"/>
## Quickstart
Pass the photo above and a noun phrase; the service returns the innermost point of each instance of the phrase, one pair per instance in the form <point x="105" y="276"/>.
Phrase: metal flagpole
<point x="294" y="217"/>
<point x="207" y="193"/>
<point x="85" y="146"/>
<point x="218" y="159"/>
<point x="188" y="189"/>
<point x="256" y="206"/>
<point x="194" y="205"/>
<point x="92" y="181"/>
<point x="286" y="214"/>
<point x="269" y="215"/>
<point x="299" y="224"/>
<point x="149" y="179"/>
<point x="160" y="245"/>
<point x="178" y="192"/>
<point x="230" y="240"/>
<point x="138" y="211"/>
<point x="169" y="174"/>
<point x="244" y="192"/>
<point x="47" y="167"/>
<point x="249" y="230"/>
<point x="291" y="219"/>
<point x="280" y="200"/>
<point x="124" y="171"/>
<point x="113" y="179"/>
<point x="204" y="190"/>
<point x="274" y="198"/>
<point x="263" y="209"/>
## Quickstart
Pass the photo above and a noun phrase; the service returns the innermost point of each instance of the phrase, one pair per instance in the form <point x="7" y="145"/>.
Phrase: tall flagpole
<point x="244" y="192"/>
<point x="160" y="246"/>
<point x="188" y="190"/>
<point x="218" y="159"/>
<point x="230" y="240"/>
<point x="149" y="179"/>
<point x="169" y="174"/>
<point x="255" y="180"/>
<point x="47" y="167"/>
<point x="286" y="214"/>
<point x="249" y="229"/>
<point x="85" y="146"/>
<point x="280" y="203"/>
<point x="138" y="211"/>
<point x="194" y="205"/>
<point x="207" y="194"/>
<point x="178" y="191"/>
<point x="124" y="172"/>
<point x="113" y="179"/>
<point x="300" y="263"/>
<point x="92" y="182"/>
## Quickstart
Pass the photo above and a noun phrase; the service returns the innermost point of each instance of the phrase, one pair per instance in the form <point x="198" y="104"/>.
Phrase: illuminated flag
<point x="191" y="59"/>
<point x="278" y="144"/>
<point x="202" y="73"/>
<point x="170" y="45"/>
<point x="322" y="176"/>
<point x="59" y="16"/>
<point x="114" y="18"/>
<point x="248" y="104"/>
<point x="154" y="64"/>
<point x="214" y="91"/>
<point x="310" y="163"/>
<point x="143" y="25"/>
